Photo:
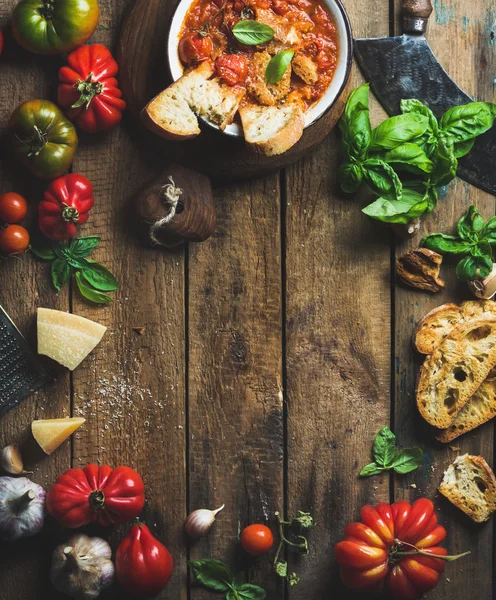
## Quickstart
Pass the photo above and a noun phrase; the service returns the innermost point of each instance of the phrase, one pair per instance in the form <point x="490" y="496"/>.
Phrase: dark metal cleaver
<point x="405" y="67"/>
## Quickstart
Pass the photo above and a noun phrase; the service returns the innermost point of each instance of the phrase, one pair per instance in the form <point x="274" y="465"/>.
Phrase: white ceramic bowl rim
<point x="320" y="108"/>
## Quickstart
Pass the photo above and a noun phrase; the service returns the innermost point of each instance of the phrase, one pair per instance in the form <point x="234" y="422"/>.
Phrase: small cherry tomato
<point x="14" y="239"/>
<point x="280" y="7"/>
<point x="257" y="539"/>
<point x="13" y="207"/>
<point x="194" y="47"/>
<point x="231" y="68"/>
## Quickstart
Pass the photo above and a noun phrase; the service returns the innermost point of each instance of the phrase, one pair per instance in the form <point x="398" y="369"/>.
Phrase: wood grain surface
<point x="253" y="369"/>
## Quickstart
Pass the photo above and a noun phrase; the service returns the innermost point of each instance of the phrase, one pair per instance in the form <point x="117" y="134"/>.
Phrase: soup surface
<point x="303" y="27"/>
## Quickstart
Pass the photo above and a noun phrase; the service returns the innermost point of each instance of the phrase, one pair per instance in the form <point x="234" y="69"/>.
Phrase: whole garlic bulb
<point x="22" y="508"/>
<point x="82" y="567"/>
<point x="200" y="521"/>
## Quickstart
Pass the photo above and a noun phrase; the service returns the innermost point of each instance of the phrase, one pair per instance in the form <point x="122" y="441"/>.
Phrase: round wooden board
<point x="143" y="74"/>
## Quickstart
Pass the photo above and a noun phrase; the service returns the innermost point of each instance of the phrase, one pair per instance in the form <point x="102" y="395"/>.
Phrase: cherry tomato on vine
<point x="257" y="539"/>
<point x="194" y="47"/>
<point x="13" y="207"/>
<point x="14" y="239"/>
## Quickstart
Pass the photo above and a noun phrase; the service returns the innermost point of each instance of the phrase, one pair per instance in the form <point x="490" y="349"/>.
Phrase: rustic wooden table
<point x="272" y="353"/>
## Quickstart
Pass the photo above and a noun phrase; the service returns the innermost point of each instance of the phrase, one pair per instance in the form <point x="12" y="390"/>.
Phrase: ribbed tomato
<point x="394" y="548"/>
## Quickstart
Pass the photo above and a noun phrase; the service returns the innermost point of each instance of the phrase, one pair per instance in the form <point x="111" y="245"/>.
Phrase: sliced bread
<point x="469" y="483"/>
<point x="268" y="94"/>
<point x="272" y="130"/>
<point x="455" y="370"/>
<point x="440" y="322"/>
<point x="305" y="68"/>
<point x="479" y="409"/>
<point x="173" y="113"/>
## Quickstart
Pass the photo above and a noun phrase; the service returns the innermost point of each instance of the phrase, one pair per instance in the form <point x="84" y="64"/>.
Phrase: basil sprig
<point x="474" y="242"/>
<point x="92" y="278"/>
<point x="214" y="575"/>
<point x="387" y="457"/>
<point x="252" y="33"/>
<point x="407" y="157"/>
<point x="278" y="65"/>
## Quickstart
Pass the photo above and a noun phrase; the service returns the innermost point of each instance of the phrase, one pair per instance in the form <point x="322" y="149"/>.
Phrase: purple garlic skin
<point x="22" y="508"/>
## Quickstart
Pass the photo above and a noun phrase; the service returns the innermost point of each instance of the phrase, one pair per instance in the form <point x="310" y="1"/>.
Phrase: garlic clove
<point x="484" y="288"/>
<point x="11" y="460"/>
<point x="200" y="521"/>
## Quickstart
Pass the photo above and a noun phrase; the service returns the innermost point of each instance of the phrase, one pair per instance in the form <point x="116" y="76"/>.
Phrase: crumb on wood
<point x="139" y="330"/>
<point x="455" y="448"/>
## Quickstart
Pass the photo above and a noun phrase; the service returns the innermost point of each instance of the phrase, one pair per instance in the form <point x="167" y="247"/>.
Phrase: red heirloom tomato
<point x="256" y="539"/>
<point x="231" y="68"/>
<point x="394" y="549"/>
<point x="14" y="239"/>
<point x="88" y="90"/>
<point x="143" y="565"/>
<point x="96" y="495"/>
<point x="194" y="47"/>
<point x="65" y="205"/>
<point x="13" y="207"/>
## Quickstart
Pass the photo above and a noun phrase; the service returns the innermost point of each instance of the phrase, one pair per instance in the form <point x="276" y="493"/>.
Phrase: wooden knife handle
<point x="414" y="16"/>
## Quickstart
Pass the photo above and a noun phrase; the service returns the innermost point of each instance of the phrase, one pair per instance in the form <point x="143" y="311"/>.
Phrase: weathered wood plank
<point x="131" y="389"/>
<point x="338" y="346"/>
<point x="235" y="383"/>
<point x="25" y="285"/>
<point x="460" y="36"/>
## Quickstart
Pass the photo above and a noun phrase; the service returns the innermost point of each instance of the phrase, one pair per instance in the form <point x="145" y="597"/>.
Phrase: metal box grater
<point x="21" y="373"/>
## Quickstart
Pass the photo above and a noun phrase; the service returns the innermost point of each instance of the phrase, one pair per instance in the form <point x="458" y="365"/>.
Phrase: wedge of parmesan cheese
<point x="51" y="433"/>
<point x="67" y="338"/>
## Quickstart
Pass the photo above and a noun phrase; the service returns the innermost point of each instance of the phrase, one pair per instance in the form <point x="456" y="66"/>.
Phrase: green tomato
<point x="54" y="26"/>
<point x="43" y="138"/>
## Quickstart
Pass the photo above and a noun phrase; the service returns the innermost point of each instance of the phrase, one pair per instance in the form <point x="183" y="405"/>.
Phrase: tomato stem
<point x="47" y="10"/>
<point x="88" y="89"/>
<point x="70" y="214"/>
<point x="429" y="554"/>
<point x="97" y="500"/>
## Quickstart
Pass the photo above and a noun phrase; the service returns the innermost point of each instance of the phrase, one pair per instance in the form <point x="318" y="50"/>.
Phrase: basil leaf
<point x="410" y="157"/>
<point x="278" y="65"/>
<point x="89" y="293"/>
<point x="61" y="273"/>
<point x="463" y="148"/>
<point x="61" y="250"/>
<point x="407" y="460"/>
<point x="350" y="176"/>
<point x="468" y="121"/>
<point x="212" y="574"/>
<point x="358" y="97"/>
<point x="445" y="162"/>
<point x="371" y="469"/>
<point x="472" y="267"/>
<point x="445" y="244"/>
<point x="432" y="198"/>
<point x="470" y="224"/>
<point x="82" y="247"/>
<point x="355" y="123"/>
<point x="384" y="447"/>
<point x="248" y="591"/>
<point x="398" y="130"/>
<point x="99" y="277"/>
<point x="43" y="251"/>
<point x="415" y="106"/>
<point x="411" y="205"/>
<point x="489" y="231"/>
<point x="381" y="178"/>
<point x="251" y="33"/>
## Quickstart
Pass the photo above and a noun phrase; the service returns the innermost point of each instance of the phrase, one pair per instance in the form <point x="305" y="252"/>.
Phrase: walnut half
<point x="420" y="269"/>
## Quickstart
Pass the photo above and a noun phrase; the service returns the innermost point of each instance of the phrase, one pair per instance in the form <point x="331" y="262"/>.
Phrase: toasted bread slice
<point x="173" y="113"/>
<point x="305" y="68"/>
<point x="283" y="30"/>
<point x="469" y="483"/>
<point x="272" y="130"/>
<point x="479" y="409"/>
<point x="440" y="322"/>
<point x="268" y="94"/>
<point x="454" y="371"/>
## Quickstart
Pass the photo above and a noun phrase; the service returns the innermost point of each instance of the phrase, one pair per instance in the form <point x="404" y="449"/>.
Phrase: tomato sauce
<point x="207" y="34"/>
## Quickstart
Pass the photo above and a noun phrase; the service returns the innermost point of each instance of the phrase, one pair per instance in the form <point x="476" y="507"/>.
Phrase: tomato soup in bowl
<point x="254" y="42"/>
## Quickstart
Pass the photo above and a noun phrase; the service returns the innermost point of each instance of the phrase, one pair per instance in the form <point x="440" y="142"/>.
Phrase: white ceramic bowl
<point x="345" y="45"/>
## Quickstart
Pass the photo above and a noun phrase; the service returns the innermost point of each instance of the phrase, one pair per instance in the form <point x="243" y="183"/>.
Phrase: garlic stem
<point x="18" y="504"/>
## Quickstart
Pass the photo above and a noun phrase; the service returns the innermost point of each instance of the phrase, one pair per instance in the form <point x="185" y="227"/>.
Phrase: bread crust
<point x="455" y="370"/>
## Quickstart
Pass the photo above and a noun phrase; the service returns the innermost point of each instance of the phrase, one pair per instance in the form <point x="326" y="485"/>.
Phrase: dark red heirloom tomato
<point x="256" y="539"/>
<point x="88" y="90"/>
<point x="394" y="549"/>
<point x="13" y="207"/>
<point x="143" y="565"/>
<point x="231" y="68"/>
<point x="66" y="204"/>
<point x="96" y="495"/>
<point x="195" y="47"/>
